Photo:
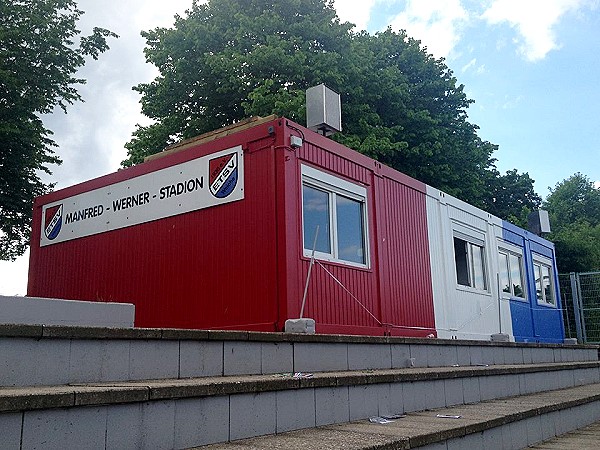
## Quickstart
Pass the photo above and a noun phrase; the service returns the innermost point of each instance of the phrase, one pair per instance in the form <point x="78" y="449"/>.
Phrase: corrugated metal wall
<point x="210" y="268"/>
<point x="241" y="264"/>
<point x="328" y="302"/>
<point x="396" y="288"/>
<point x="405" y="266"/>
<point x="533" y="322"/>
<point x="461" y="311"/>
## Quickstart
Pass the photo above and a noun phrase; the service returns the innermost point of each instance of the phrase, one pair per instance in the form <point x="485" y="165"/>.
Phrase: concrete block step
<point x="512" y="423"/>
<point x="51" y="355"/>
<point x="179" y="413"/>
<point x="583" y="438"/>
<point x="423" y="387"/>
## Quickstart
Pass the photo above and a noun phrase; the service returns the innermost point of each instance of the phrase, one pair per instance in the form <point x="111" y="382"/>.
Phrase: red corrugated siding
<point x="405" y="266"/>
<point x="334" y="163"/>
<point x="397" y="286"/>
<point x="327" y="302"/>
<point x="240" y="265"/>
<point x="210" y="268"/>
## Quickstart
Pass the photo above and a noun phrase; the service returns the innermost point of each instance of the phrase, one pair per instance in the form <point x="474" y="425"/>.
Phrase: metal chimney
<point x="323" y="110"/>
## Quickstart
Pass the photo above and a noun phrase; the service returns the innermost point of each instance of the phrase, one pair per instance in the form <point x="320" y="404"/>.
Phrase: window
<point x="511" y="273"/>
<point x="338" y="208"/>
<point x="470" y="264"/>
<point x="544" y="284"/>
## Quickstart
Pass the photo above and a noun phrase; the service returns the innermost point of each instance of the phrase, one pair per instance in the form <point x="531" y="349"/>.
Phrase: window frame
<point x="543" y="262"/>
<point x="506" y="249"/>
<point x="334" y="187"/>
<point x="471" y="241"/>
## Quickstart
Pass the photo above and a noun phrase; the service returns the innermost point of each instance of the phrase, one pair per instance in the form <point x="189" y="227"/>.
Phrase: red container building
<point x="218" y="231"/>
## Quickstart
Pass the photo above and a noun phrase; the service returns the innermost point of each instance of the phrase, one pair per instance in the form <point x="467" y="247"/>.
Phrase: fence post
<point x="576" y="306"/>
<point x="581" y="309"/>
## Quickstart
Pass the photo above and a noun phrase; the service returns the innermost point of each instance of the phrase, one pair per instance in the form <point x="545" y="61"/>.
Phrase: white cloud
<point x="160" y="13"/>
<point x="436" y="23"/>
<point x="597" y="184"/>
<point x="356" y="12"/>
<point x="469" y="65"/>
<point x="510" y="103"/>
<point x="92" y="135"/>
<point x="472" y="66"/>
<point x="13" y="276"/>
<point x="534" y="21"/>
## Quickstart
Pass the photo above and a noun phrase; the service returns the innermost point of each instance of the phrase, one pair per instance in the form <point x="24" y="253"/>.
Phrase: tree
<point x="38" y="61"/>
<point x="574" y="209"/>
<point x="574" y="199"/>
<point x="406" y="109"/>
<point x="512" y="196"/>
<point x="228" y="59"/>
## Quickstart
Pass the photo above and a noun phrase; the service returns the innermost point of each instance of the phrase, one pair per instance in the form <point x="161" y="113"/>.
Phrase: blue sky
<point x="532" y="67"/>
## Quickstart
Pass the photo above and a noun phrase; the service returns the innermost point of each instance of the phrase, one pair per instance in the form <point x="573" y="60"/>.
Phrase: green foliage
<point x="229" y="59"/>
<point x="405" y="108"/>
<point x="574" y="209"/>
<point x="574" y="199"/>
<point x="512" y="196"/>
<point x="38" y="61"/>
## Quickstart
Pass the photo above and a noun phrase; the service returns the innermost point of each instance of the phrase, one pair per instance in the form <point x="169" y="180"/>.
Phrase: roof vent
<point x="323" y="110"/>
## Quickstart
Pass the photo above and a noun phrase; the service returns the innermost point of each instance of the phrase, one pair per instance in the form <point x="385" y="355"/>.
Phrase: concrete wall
<point x="51" y="311"/>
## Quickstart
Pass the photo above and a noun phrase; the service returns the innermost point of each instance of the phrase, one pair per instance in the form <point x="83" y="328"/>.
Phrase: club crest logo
<point x="223" y="175"/>
<point x="53" y="221"/>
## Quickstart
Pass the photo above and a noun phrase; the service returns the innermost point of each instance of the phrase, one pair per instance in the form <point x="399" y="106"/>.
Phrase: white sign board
<point x="200" y="183"/>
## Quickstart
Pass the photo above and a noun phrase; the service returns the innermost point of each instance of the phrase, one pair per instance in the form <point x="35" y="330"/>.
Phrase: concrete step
<point x="37" y="355"/>
<point x="69" y="387"/>
<point x="581" y="439"/>
<point x="179" y="413"/>
<point x="511" y="423"/>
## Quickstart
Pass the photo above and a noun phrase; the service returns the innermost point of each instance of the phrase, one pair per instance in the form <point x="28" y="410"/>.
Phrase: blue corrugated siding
<point x="532" y="322"/>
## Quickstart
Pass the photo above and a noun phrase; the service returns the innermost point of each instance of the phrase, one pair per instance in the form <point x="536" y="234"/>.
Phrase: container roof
<point x="212" y="135"/>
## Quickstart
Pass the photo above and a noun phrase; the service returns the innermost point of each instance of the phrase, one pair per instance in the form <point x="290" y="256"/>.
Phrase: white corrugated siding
<point x="461" y="312"/>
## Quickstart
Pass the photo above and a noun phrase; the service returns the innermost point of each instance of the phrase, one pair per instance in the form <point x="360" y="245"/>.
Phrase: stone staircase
<point x="108" y="388"/>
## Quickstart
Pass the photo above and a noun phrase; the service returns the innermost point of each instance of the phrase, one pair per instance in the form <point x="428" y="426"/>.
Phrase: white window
<point x="544" y="282"/>
<point x="339" y="209"/>
<point x="469" y="257"/>
<point x="512" y="277"/>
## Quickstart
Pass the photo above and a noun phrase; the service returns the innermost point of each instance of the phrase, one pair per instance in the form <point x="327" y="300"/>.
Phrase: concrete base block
<point x="500" y="337"/>
<point x="570" y="341"/>
<point x="304" y="326"/>
<point x="52" y="311"/>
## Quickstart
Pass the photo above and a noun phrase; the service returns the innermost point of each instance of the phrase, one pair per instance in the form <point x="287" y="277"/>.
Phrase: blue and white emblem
<point x="223" y="175"/>
<point x="53" y="221"/>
